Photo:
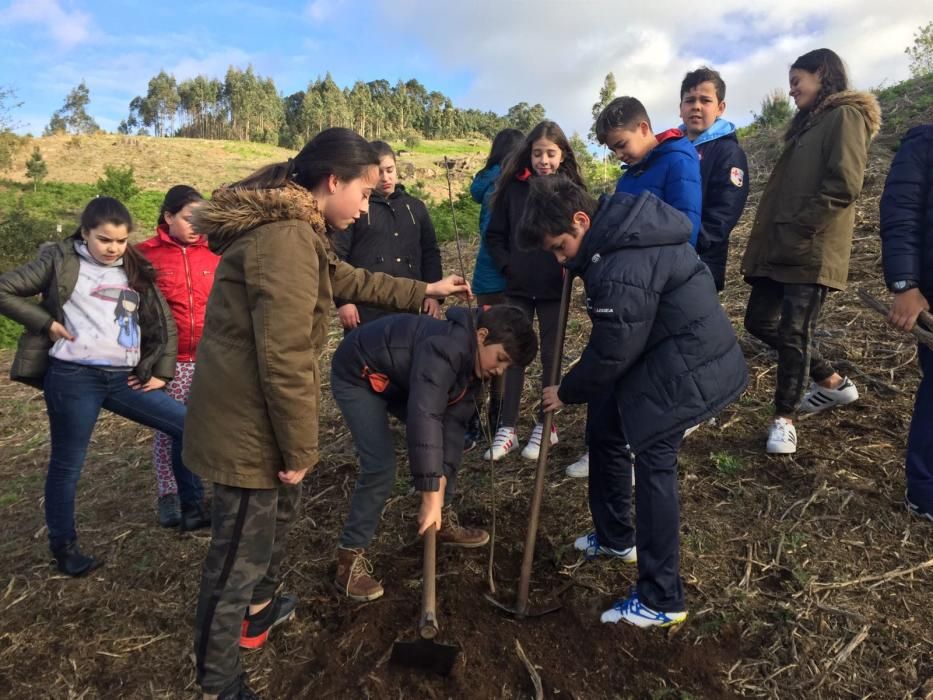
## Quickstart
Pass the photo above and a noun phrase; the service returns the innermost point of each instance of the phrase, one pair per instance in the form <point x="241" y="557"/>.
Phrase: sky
<point x="488" y="54"/>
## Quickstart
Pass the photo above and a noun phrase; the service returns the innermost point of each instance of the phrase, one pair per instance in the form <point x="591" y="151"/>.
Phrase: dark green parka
<point x="803" y="227"/>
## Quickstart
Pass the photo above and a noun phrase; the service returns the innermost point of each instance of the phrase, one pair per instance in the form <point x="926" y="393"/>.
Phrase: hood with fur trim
<point x="864" y="102"/>
<point x="231" y="212"/>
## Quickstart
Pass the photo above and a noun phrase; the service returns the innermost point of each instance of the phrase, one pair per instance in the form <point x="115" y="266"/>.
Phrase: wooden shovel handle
<point x="428" y="628"/>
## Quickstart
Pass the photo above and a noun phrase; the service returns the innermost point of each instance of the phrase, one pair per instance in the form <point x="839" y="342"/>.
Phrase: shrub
<point x="21" y="234"/>
<point x="118" y="183"/>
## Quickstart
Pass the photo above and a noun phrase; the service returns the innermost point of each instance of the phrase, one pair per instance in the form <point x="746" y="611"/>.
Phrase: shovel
<point x="520" y="608"/>
<point x="425" y="653"/>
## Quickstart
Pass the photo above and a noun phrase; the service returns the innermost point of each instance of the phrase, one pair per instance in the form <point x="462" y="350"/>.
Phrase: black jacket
<point x="396" y="237"/>
<point x="660" y="338"/>
<point x="535" y="274"/>
<point x="724" y="170"/>
<point x="907" y="212"/>
<point x="426" y="366"/>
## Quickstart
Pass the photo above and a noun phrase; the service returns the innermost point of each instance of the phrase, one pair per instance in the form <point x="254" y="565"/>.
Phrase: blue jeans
<point x="920" y="439"/>
<point x="74" y="395"/>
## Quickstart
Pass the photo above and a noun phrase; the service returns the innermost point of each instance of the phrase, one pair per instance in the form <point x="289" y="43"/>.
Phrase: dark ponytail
<point x="107" y="210"/>
<point x="176" y="199"/>
<point x="337" y="151"/>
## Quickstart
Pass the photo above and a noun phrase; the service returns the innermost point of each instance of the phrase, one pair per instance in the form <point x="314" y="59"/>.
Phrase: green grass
<point x="726" y="464"/>
<point x="9" y="332"/>
<point x="249" y="149"/>
<point x="452" y="148"/>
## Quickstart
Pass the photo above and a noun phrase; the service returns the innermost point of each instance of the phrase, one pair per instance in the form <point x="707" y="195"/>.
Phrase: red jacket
<point x="184" y="275"/>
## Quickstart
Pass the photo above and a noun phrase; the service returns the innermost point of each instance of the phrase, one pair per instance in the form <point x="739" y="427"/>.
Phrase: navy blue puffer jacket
<point x="660" y="337"/>
<point x="907" y="212"/>
<point x="425" y="369"/>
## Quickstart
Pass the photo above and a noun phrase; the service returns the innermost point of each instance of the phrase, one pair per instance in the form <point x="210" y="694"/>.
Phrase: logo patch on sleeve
<point x="737" y="177"/>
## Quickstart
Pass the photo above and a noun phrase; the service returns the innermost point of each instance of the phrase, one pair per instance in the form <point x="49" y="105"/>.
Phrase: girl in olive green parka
<point x="800" y="243"/>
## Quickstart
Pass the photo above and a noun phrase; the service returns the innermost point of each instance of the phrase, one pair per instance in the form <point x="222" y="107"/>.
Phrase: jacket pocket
<point x="31" y="361"/>
<point x="790" y="244"/>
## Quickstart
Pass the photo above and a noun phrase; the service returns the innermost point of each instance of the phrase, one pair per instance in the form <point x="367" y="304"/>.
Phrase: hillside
<point x="805" y="577"/>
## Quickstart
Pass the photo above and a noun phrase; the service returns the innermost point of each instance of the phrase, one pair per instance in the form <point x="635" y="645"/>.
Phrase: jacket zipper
<point x="411" y="215"/>
<point x="184" y="255"/>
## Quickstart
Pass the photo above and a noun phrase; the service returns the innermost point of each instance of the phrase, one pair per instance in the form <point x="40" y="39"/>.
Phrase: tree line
<point x="248" y="107"/>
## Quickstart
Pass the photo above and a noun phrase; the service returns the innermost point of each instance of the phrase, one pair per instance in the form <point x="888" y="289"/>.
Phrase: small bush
<point x="118" y="183"/>
<point x="21" y="234"/>
<point x="412" y="140"/>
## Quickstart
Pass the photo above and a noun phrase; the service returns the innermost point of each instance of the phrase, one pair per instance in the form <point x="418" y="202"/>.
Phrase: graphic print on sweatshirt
<point x="102" y="314"/>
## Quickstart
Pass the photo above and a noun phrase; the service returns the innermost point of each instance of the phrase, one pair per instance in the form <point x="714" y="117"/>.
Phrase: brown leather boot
<point x="354" y="576"/>
<point x="454" y="535"/>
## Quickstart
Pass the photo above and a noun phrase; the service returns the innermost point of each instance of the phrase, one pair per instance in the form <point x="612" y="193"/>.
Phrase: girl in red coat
<point x="184" y="274"/>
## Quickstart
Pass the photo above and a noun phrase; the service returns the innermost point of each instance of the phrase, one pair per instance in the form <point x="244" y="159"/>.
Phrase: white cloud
<point x="557" y="52"/>
<point x="67" y="28"/>
<point x="319" y="11"/>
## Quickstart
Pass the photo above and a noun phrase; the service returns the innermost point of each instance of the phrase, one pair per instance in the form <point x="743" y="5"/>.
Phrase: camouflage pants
<point x="784" y="317"/>
<point x="248" y="533"/>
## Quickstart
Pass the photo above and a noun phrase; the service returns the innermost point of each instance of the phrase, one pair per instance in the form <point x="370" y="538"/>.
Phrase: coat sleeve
<point x="283" y="278"/>
<point x="497" y="232"/>
<point x="164" y="367"/>
<point x="683" y="190"/>
<point x="844" y="170"/>
<point x="724" y="200"/>
<point x="431" y="270"/>
<point x="433" y="375"/>
<point x="480" y="185"/>
<point x="902" y="213"/>
<point x="622" y="316"/>
<point x="360" y="286"/>
<point x="21" y="283"/>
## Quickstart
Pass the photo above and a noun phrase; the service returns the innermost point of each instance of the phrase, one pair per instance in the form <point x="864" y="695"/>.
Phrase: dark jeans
<point x="74" y="395"/>
<point x="548" y="312"/>
<point x="657" y="507"/>
<point x="366" y="413"/>
<point x="249" y="528"/>
<point x="784" y="317"/>
<point x="920" y="439"/>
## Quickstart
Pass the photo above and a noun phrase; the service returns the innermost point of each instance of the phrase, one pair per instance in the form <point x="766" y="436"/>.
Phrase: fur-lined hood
<point x="864" y="102"/>
<point x="232" y="212"/>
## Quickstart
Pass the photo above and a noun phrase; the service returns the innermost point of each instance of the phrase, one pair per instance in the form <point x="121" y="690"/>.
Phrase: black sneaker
<point x="71" y="561"/>
<point x="255" y="628"/>
<point x="914" y="509"/>
<point x="470" y="439"/>
<point x="194" y="517"/>
<point x="169" y="510"/>
<point x="238" y="690"/>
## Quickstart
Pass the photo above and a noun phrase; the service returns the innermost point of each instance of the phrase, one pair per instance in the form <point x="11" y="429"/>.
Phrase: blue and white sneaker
<point x="633" y="612"/>
<point x="591" y="548"/>
<point x="914" y="509"/>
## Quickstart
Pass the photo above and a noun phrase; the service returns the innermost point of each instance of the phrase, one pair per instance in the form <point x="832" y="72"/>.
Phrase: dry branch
<point x="922" y="334"/>
<point x="532" y="671"/>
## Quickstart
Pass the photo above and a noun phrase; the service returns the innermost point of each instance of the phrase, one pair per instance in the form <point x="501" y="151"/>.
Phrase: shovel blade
<point x="426" y="655"/>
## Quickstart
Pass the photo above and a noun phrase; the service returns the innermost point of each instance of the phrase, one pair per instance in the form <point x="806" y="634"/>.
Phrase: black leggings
<point x="548" y="312"/>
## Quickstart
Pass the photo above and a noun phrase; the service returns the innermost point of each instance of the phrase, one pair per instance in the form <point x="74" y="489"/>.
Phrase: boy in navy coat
<point x="425" y="372"/>
<point x="723" y="165"/>
<point x="662" y="356"/>
<point x="907" y="253"/>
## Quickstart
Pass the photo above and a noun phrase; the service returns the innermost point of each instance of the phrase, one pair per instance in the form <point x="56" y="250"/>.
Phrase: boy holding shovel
<point x="425" y="372"/>
<point x="661" y="357"/>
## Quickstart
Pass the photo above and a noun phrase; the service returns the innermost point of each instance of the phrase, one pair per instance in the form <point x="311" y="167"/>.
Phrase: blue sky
<point x="488" y="54"/>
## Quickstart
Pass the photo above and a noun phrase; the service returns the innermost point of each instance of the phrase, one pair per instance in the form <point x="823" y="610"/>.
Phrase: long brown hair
<point x="106" y="210"/>
<point x="520" y="159"/>
<point x="831" y="71"/>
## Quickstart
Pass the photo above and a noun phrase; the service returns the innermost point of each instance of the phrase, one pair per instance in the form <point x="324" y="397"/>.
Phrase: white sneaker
<point x="782" y="438"/>
<point x="581" y="468"/>
<point x="632" y="611"/>
<point x="505" y="441"/>
<point x="819" y="398"/>
<point x="533" y="448"/>
<point x="591" y="548"/>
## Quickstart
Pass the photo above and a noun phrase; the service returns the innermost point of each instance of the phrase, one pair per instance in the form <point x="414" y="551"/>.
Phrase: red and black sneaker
<point x="255" y="628"/>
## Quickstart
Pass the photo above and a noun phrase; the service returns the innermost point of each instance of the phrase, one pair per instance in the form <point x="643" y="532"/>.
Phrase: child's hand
<point x="451" y="285"/>
<point x="430" y="513"/>
<point x="292" y="477"/>
<point x="906" y="308"/>
<point x="349" y="316"/>
<point x="153" y="384"/>
<point x="550" y="400"/>
<point x="57" y="331"/>
<point x="431" y="307"/>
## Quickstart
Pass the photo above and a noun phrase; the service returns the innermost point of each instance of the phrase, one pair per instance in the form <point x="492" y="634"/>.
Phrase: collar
<point x="719" y="128"/>
<point x="83" y="252"/>
<point x="168" y="239"/>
